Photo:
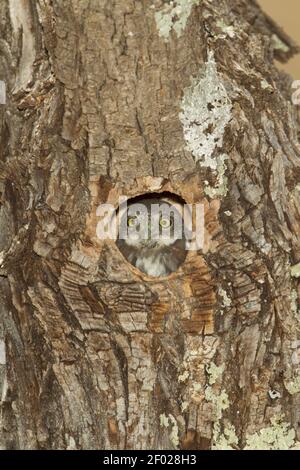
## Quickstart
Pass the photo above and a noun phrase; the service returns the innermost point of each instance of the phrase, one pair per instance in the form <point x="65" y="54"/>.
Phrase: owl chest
<point x="152" y="264"/>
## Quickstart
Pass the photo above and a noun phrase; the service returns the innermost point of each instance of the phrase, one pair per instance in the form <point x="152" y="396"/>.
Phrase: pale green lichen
<point x="165" y="422"/>
<point x="278" y="436"/>
<point x="197" y="387"/>
<point x="278" y="44"/>
<point x="174" y="15"/>
<point x="225" y="298"/>
<point x="227" y="30"/>
<point x="72" y="443"/>
<point x="214" y="372"/>
<point x="294" y="307"/>
<point x="174" y="435"/>
<point x="184" y="376"/>
<point x="196" y="392"/>
<point x="219" y="401"/>
<point x="295" y="270"/>
<point x="293" y="386"/>
<point x="1" y="258"/>
<point x="206" y="111"/>
<point x="184" y="406"/>
<point x="221" y="188"/>
<point x="294" y="299"/>
<point x="264" y="84"/>
<point x="227" y="440"/>
<point x="2" y="92"/>
<point x="2" y="353"/>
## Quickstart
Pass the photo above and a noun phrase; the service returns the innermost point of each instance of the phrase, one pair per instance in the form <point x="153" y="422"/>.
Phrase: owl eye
<point x="165" y="223"/>
<point x="132" y="221"/>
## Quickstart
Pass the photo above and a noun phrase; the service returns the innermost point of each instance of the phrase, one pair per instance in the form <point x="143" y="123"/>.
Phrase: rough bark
<point x="101" y="99"/>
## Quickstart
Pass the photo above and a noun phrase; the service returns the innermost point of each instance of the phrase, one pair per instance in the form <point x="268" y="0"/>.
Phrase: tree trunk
<point x="110" y="98"/>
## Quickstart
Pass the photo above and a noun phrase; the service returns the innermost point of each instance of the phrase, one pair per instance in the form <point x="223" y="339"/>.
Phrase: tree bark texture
<point x="107" y="98"/>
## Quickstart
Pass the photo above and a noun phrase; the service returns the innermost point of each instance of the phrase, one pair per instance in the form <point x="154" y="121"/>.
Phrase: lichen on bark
<point x="206" y="111"/>
<point x="174" y="16"/>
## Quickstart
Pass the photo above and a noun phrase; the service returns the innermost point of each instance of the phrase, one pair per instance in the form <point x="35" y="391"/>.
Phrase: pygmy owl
<point x="151" y="236"/>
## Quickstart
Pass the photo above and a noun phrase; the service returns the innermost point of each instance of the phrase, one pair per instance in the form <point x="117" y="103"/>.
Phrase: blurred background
<point x="286" y="13"/>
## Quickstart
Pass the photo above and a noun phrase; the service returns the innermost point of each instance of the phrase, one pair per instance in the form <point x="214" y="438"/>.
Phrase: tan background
<point x="287" y="14"/>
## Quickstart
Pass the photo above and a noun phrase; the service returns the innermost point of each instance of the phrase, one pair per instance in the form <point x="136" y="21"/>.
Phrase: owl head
<point x="151" y="235"/>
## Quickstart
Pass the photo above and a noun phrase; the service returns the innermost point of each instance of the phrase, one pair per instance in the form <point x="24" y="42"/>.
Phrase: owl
<point x="151" y="236"/>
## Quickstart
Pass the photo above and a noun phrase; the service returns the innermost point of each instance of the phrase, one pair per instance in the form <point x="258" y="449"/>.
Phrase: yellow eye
<point x="132" y="221"/>
<point x="165" y="223"/>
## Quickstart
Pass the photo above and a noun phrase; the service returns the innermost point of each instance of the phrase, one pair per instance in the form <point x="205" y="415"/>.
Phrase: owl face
<point x="151" y="236"/>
